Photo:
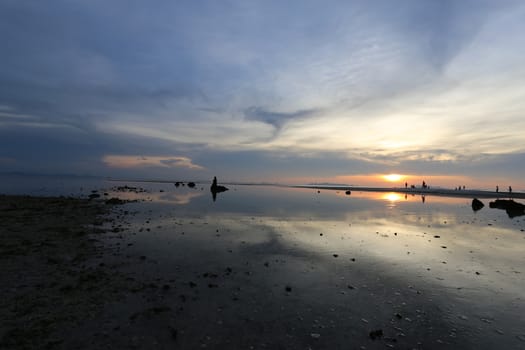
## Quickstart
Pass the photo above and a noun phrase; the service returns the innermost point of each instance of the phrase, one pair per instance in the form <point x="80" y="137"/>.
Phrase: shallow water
<point x="456" y="273"/>
<point x="298" y="268"/>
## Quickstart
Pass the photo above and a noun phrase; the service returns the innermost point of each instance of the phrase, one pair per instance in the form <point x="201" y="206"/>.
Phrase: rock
<point x="218" y="189"/>
<point x="94" y="195"/>
<point x="376" y="334"/>
<point x="348" y="192"/>
<point x="177" y="184"/>
<point x="512" y="208"/>
<point x="191" y="184"/>
<point x="477" y="204"/>
<point x="174" y="332"/>
<point x="115" y="201"/>
<point x="288" y="288"/>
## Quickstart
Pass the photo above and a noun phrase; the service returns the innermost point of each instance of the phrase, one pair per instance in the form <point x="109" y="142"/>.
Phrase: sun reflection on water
<point x="391" y="198"/>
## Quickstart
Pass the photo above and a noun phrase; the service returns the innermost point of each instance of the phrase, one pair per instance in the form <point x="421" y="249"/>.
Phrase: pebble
<point x="376" y="334"/>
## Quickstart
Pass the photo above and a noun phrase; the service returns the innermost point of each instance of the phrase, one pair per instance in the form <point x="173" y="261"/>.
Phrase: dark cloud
<point x="276" y="119"/>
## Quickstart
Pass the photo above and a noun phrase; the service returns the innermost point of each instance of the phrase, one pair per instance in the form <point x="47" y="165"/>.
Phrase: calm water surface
<point x="459" y="273"/>
<point x="469" y="263"/>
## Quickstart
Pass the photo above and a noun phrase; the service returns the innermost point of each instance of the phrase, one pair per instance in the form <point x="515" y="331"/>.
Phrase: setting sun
<point x="392" y="177"/>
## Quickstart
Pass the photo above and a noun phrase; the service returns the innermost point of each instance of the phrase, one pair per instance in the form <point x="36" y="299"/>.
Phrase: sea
<point x="327" y="242"/>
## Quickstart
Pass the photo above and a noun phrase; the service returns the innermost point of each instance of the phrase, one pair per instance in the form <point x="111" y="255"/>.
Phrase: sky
<point x="265" y="91"/>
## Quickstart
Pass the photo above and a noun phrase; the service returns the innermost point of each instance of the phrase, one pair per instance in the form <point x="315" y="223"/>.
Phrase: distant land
<point x="423" y="191"/>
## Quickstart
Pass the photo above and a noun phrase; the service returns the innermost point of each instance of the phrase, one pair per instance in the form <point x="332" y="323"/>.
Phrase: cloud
<point x="373" y="84"/>
<point x="276" y="119"/>
<point x="116" y="161"/>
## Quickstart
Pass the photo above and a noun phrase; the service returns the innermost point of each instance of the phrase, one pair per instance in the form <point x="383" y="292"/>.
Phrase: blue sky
<point x="293" y="91"/>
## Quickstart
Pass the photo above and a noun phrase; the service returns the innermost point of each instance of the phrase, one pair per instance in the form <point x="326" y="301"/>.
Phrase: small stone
<point x="315" y="335"/>
<point x="376" y="334"/>
<point x="173" y="332"/>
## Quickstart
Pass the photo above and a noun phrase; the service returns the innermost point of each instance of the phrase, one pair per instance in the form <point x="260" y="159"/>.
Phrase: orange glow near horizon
<point x="378" y="180"/>
<point x="393" y="177"/>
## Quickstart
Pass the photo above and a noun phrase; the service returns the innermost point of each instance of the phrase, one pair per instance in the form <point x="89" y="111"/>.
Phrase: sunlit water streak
<point x="438" y="243"/>
<point x="470" y="262"/>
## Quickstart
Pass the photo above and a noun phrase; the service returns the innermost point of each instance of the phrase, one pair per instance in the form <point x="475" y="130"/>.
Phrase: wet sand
<point x="75" y="275"/>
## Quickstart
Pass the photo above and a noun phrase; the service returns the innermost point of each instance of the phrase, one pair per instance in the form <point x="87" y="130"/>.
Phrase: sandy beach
<point x="75" y="275"/>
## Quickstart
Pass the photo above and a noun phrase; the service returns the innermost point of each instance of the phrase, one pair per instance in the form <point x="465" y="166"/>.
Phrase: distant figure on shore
<point x="214" y="188"/>
<point x="510" y="189"/>
<point x="463" y="187"/>
<point x="424" y="185"/>
<point x="497" y="188"/>
<point x="406" y="185"/>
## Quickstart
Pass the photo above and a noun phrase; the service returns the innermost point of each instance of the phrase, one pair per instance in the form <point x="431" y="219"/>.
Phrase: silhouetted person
<point x="497" y="188"/>
<point x="510" y="189"/>
<point x="424" y="185"/>
<point x="214" y="188"/>
<point x="406" y="184"/>
<point x="463" y="187"/>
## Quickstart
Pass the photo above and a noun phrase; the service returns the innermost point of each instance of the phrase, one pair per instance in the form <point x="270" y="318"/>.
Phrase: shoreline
<point x="443" y="192"/>
<point x="86" y="275"/>
<point x="52" y="277"/>
<point x="424" y="192"/>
